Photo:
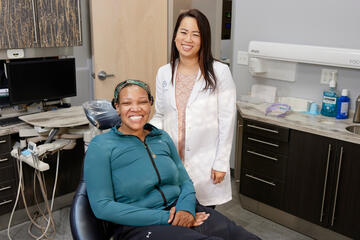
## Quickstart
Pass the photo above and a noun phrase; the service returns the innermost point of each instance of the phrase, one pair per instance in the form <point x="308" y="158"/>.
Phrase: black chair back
<point x="84" y="225"/>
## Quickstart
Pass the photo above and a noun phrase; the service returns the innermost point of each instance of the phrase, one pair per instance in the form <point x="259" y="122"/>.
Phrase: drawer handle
<point x="325" y="181"/>
<point x="264" y="129"/>
<point x="337" y="187"/>
<point x="5" y="188"/>
<point x="5" y="202"/>
<point x="4" y="159"/>
<point x="262" y="155"/>
<point x="2" y="141"/>
<point x="261" y="180"/>
<point x="259" y="141"/>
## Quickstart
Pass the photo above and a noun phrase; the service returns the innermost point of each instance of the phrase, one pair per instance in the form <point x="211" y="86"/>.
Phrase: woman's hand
<point x="200" y="218"/>
<point x="183" y="219"/>
<point x="171" y="214"/>
<point x="217" y="176"/>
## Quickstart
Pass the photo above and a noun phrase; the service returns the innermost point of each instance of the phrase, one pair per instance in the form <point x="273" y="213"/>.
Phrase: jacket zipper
<point x="157" y="173"/>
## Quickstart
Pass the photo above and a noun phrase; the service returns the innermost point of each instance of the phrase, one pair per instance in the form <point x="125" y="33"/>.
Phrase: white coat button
<point x="187" y="148"/>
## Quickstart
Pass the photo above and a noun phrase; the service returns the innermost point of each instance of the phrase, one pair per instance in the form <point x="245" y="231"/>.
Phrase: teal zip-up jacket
<point x="130" y="182"/>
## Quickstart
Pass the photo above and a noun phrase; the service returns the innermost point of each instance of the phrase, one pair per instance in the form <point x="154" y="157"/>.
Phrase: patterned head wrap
<point x="130" y="82"/>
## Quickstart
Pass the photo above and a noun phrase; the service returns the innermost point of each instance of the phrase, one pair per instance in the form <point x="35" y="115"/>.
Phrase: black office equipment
<point x="41" y="80"/>
<point x="9" y="121"/>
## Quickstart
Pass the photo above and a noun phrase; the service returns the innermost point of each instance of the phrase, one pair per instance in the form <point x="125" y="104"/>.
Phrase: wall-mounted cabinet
<point x="40" y="23"/>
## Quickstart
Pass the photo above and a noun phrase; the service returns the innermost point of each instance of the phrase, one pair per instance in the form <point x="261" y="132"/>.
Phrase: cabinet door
<point x="345" y="211"/>
<point x="309" y="168"/>
<point x="59" y="23"/>
<point x="18" y="26"/>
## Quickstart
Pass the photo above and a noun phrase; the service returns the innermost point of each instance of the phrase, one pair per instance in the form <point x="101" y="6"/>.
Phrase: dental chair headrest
<point x="101" y="114"/>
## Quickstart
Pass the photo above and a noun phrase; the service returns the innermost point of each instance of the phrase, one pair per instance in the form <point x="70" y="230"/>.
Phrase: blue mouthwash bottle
<point x="343" y="105"/>
<point x="329" y="99"/>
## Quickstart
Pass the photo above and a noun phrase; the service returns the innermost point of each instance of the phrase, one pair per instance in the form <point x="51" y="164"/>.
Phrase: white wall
<point x="213" y="11"/>
<point x="328" y="23"/>
<point x="82" y="54"/>
<point x="226" y="49"/>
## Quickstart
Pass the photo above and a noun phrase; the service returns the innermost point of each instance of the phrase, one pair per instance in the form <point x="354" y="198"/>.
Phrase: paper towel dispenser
<point x="339" y="57"/>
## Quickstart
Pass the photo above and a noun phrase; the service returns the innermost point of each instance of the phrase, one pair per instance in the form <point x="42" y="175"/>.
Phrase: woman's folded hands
<point x="186" y="219"/>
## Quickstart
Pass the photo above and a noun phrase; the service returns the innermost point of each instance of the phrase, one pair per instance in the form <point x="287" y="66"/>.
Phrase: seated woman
<point x="135" y="179"/>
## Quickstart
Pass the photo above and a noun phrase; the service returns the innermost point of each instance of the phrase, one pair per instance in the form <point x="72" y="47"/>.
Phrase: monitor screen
<point x="41" y="80"/>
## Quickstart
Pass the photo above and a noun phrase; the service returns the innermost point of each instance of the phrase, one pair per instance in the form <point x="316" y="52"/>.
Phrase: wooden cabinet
<point x="323" y="182"/>
<point x="59" y="23"/>
<point x="311" y="162"/>
<point x="264" y="157"/>
<point x="345" y="194"/>
<point x="40" y="23"/>
<point x="8" y="181"/>
<point x="18" y="24"/>
<point x="312" y="177"/>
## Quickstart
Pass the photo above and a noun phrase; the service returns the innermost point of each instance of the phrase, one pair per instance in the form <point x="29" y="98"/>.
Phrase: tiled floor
<point x="264" y="228"/>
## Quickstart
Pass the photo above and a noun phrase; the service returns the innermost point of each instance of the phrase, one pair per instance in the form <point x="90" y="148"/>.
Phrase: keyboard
<point x="9" y="121"/>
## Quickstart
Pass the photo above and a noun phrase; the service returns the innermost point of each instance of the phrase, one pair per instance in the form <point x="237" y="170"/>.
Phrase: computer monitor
<point x="41" y="80"/>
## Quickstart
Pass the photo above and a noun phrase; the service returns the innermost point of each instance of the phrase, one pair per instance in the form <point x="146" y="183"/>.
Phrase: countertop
<point x="68" y="117"/>
<point x="316" y="124"/>
<point x="65" y="117"/>
<point x="13" y="128"/>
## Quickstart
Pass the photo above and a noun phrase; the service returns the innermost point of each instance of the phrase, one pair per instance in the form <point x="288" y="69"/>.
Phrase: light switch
<point x="242" y="58"/>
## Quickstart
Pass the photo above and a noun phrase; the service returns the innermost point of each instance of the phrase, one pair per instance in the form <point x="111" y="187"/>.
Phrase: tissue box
<point x="296" y="104"/>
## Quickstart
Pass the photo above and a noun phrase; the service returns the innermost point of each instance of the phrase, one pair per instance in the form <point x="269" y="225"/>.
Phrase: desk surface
<point x="66" y="117"/>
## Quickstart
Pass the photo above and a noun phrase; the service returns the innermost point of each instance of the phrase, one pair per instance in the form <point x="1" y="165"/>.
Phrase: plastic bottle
<point x="329" y="99"/>
<point x="343" y="105"/>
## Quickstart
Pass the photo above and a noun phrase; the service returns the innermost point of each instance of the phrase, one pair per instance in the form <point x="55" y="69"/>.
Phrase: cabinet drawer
<point x="4" y="144"/>
<point x="260" y="188"/>
<point x="264" y="162"/>
<point x="266" y="130"/>
<point x="269" y="144"/>
<point x="8" y="187"/>
<point x="7" y="174"/>
<point x="6" y="160"/>
<point x="6" y="203"/>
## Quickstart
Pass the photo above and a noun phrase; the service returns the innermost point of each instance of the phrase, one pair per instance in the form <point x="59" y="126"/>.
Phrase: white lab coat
<point x="210" y="118"/>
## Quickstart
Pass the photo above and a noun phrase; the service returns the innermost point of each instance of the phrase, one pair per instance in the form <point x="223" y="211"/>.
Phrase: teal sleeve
<point x="97" y="174"/>
<point x="187" y="198"/>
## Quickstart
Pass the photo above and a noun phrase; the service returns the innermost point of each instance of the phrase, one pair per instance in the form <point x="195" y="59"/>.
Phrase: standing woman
<point x="196" y="104"/>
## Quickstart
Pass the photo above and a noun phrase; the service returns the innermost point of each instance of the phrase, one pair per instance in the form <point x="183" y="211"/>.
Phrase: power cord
<point x="41" y="179"/>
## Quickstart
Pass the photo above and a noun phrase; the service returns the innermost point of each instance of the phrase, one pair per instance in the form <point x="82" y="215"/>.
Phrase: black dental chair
<point x="84" y="225"/>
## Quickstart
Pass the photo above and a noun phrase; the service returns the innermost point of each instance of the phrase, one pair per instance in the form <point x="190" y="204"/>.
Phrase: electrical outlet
<point x="326" y="75"/>
<point x="15" y="53"/>
<point x="243" y="58"/>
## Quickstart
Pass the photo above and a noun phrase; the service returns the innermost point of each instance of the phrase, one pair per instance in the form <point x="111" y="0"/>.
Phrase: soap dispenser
<point x="330" y="99"/>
